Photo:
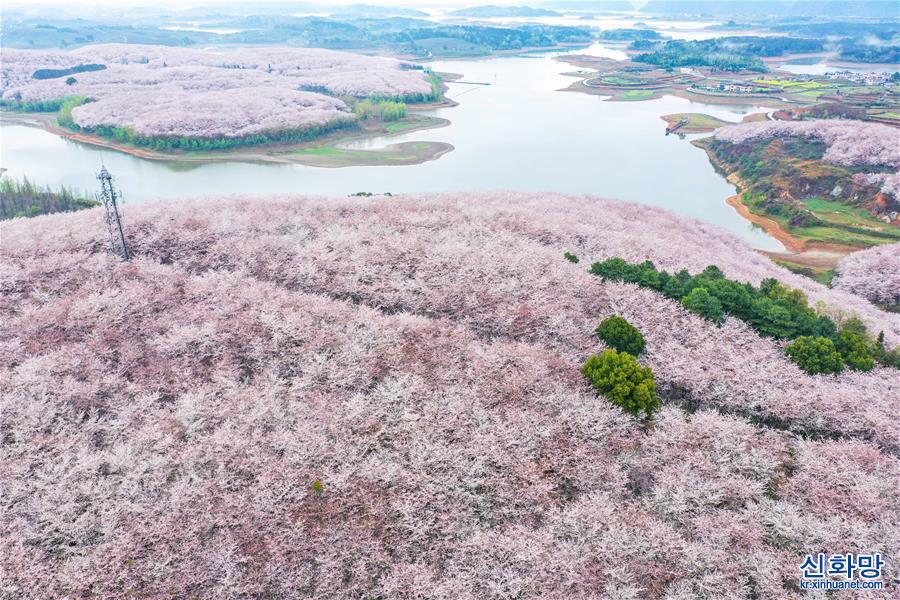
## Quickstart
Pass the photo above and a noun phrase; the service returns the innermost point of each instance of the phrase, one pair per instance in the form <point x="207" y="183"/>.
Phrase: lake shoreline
<point x="800" y="254"/>
<point x="324" y="151"/>
<point x="805" y="254"/>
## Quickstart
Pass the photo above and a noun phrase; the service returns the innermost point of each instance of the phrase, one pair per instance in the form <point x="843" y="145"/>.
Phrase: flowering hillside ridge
<point x="848" y="143"/>
<point x="333" y="397"/>
<point x="237" y="92"/>
<point x="212" y="114"/>
<point x="873" y="274"/>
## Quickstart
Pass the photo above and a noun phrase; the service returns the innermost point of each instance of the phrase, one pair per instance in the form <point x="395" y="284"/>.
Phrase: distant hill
<point x="504" y="11"/>
<point x="369" y="11"/>
<point x="885" y="9"/>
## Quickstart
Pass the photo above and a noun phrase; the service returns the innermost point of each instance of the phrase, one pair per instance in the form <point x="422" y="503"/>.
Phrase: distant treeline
<point x="56" y="73"/>
<point x="438" y="40"/>
<point x="127" y="135"/>
<point x="52" y="105"/>
<point x="627" y="35"/>
<point x="726" y="53"/>
<point x="870" y="53"/>
<point x="841" y="29"/>
<point x="26" y="199"/>
<point x="744" y="52"/>
<point x="401" y="34"/>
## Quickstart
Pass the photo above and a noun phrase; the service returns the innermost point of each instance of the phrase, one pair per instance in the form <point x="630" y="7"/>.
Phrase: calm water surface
<point x="517" y="133"/>
<point x="821" y="67"/>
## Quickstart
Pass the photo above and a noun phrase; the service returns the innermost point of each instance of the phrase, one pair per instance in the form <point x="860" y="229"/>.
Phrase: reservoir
<point x="518" y="133"/>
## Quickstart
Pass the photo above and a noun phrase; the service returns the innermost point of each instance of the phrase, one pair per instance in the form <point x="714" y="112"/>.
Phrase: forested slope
<point x="381" y="397"/>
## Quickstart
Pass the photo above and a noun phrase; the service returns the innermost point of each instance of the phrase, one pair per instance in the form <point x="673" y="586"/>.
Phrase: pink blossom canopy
<point x="228" y="94"/>
<point x="873" y="274"/>
<point x="313" y="397"/>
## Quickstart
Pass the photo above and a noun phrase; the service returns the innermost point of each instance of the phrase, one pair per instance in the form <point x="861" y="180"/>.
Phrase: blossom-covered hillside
<point x="229" y="94"/>
<point x="873" y="274"/>
<point x="381" y="397"/>
<point x="848" y="143"/>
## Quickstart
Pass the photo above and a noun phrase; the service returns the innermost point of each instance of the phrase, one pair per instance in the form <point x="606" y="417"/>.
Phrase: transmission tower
<point x="109" y="198"/>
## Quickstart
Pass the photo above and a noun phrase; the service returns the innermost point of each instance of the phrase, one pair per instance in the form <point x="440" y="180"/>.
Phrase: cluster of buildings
<point x="734" y="87"/>
<point x="872" y="78"/>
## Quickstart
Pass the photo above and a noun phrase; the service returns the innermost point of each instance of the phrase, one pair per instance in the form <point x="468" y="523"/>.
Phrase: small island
<point x="692" y="123"/>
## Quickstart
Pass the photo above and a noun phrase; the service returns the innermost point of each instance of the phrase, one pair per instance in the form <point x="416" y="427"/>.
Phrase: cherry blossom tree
<point x="873" y="274"/>
<point x="349" y="397"/>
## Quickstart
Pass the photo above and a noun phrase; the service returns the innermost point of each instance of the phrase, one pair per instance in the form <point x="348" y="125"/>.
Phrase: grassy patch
<point x="407" y="124"/>
<point x="623" y="79"/>
<point x="814" y="93"/>
<point x="325" y="151"/>
<point x="696" y="121"/>
<point x="636" y="95"/>
<point x="823" y="276"/>
<point x="406" y="153"/>
<point x="842" y="214"/>
<point x="840" y="235"/>
<point x="792" y="85"/>
<point x="844" y="224"/>
<point x="865" y="90"/>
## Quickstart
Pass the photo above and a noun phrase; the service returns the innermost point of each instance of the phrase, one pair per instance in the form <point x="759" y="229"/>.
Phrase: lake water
<point x="821" y="67"/>
<point x="517" y="133"/>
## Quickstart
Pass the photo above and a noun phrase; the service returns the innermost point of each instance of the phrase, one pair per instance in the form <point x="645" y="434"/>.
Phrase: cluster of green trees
<point x="62" y="106"/>
<point x="32" y="106"/>
<point x="378" y="109"/>
<point x="26" y="199"/>
<point x="287" y="136"/>
<point x="64" y="114"/>
<point x="722" y="61"/>
<point x="870" y="53"/>
<point x="618" y="333"/>
<point x="852" y="348"/>
<point x="436" y="90"/>
<point x="680" y="53"/>
<point x="55" y="73"/>
<point x="772" y="309"/>
<point x="616" y="372"/>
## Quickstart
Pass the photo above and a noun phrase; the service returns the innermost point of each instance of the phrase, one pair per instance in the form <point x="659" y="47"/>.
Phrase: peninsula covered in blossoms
<point x="160" y="100"/>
